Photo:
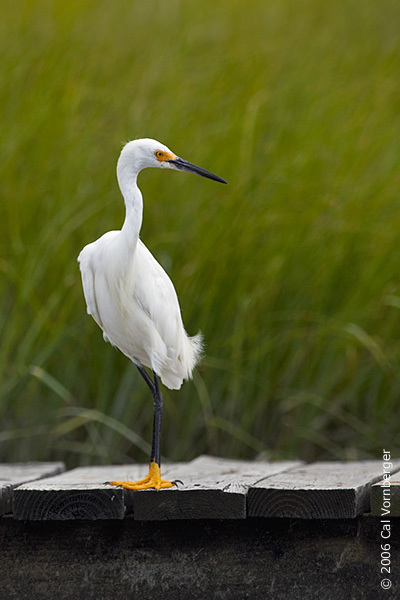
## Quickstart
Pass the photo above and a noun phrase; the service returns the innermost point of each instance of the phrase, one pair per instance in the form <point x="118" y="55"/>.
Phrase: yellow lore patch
<point x="162" y="155"/>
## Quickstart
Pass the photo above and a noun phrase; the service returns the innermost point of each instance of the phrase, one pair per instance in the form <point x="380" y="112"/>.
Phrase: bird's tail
<point x="190" y="355"/>
<point x="196" y="344"/>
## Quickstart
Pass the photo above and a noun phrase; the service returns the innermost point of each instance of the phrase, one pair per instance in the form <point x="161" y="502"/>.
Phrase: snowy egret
<point x="133" y="300"/>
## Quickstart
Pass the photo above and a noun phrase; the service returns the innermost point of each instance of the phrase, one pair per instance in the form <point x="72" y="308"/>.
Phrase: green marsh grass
<point x="291" y="271"/>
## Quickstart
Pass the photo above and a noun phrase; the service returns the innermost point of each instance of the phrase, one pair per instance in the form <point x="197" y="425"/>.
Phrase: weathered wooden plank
<point x="385" y="498"/>
<point x="258" y="559"/>
<point x="211" y="488"/>
<point x="12" y="475"/>
<point x="324" y="490"/>
<point x="77" y="494"/>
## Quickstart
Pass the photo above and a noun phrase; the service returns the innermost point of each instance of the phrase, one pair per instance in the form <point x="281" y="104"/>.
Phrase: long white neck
<point x="127" y="180"/>
<point x="133" y="213"/>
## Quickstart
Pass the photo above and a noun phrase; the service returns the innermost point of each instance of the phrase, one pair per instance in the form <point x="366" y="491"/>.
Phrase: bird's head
<point x="143" y="153"/>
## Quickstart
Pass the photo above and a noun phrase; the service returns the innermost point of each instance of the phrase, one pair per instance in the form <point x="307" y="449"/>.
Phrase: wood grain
<point x="12" y="475"/>
<point x="77" y="494"/>
<point x="324" y="490"/>
<point x="211" y="488"/>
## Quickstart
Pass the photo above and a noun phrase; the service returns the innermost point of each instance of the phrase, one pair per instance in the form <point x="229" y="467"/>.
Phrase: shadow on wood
<point x="254" y="558"/>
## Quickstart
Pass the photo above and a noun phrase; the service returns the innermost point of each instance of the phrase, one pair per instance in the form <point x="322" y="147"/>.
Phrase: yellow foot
<point x="153" y="480"/>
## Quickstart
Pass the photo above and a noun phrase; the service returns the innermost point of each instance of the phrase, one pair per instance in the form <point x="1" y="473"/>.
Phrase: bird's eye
<point x="159" y="153"/>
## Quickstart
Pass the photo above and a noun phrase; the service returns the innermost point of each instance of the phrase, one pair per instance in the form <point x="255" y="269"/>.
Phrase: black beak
<point x="184" y="165"/>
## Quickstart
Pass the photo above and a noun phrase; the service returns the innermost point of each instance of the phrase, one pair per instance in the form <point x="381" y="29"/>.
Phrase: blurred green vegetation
<point x="291" y="272"/>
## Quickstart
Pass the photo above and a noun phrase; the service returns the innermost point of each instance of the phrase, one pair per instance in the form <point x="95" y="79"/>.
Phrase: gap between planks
<point x="213" y="488"/>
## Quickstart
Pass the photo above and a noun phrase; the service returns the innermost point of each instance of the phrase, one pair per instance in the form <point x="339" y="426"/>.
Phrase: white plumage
<point x="127" y="292"/>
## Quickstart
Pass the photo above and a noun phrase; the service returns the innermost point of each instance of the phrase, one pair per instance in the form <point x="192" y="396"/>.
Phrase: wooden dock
<point x="231" y="529"/>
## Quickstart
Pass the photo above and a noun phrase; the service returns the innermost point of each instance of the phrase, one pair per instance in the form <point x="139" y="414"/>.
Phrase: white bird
<point x="133" y="300"/>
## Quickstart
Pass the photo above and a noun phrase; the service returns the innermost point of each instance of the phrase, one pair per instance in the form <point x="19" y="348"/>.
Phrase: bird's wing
<point x="172" y="353"/>
<point x="156" y="295"/>
<point x="88" y="283"/>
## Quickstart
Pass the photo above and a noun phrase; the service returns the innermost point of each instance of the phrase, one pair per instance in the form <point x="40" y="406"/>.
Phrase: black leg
<point x="158" y="408"/>
<point x="153" y="479"/>
<point x="147" y="378"/>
